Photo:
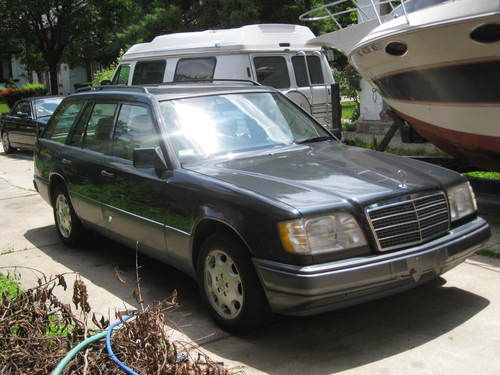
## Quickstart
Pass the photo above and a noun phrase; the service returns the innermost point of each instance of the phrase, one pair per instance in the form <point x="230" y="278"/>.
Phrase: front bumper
<point x="306" y="290"/>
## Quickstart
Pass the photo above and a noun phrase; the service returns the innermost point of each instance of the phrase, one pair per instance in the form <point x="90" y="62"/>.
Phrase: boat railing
<point x="364" y="10"/>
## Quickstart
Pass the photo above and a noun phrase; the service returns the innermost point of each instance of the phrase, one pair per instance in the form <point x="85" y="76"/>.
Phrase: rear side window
<point x="134" y="129"/>
<point x="100" y="127"/>
<point x="22" y="108"/>
<point x="193" y="69"/>
<point x="315" y="71"/>
<point x="62" y="120"/>
<point x="121" y="75"/>
<point x="272" y="71"/>
<point x="149" y="72"/>
<point x="300" y="70"/>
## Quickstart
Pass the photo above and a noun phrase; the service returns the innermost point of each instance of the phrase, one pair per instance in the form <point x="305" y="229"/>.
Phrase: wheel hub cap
<point x="223" y="284"/>
<point x="63" y="216"/>
<point x="5" y="140"/>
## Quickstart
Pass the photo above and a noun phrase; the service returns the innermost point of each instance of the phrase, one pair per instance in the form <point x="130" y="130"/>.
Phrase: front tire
<point x="68" y="226"/>
<point x="230" y="286"/>
<point x="7" y="148"/>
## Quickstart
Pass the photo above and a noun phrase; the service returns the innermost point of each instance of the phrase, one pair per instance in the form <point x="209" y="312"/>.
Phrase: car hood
<point x="322" y="175"/>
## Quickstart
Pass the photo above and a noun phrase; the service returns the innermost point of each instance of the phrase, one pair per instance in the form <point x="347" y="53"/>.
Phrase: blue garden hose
<point x="112" y="355"/>
<point x="104" y="334"/>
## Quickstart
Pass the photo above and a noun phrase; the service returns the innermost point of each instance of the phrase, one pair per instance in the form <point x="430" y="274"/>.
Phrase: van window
<point x="300" y="71"/>
<point x="62" y="120"/>
<point x="149" y="72"/>
<point x="315" y="70"/>
<point x="199" y="68"/>
<point x="272" y="71"/>
<point x="134" y="129"/>
<point x="100" y="127"/>
<point x="121" y="75"/>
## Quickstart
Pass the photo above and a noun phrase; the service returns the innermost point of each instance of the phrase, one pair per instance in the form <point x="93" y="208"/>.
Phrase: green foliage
<point x="488" y="252"/>
<point x="484" y="175"/>
<point x="4" y="108"/>
<point x="350" y="85"/>
<point x="8" y="287"/>
<point x="104" y="74"/>
<point x="11" y="95"/>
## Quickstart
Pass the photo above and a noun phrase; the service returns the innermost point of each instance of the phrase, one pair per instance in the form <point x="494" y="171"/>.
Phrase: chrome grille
<point x="410" y="222"/>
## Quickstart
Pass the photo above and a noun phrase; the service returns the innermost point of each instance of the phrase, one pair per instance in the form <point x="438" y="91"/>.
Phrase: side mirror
<point x="106" y="82"/>
<point x="22" y="114"/>
<point x="149" y="158"/>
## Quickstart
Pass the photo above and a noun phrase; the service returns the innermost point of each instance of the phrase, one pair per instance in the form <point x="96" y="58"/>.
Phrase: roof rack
<point x="144" y="88"/>
<point x="247" y="81"/>
<point x="113" y="87"/>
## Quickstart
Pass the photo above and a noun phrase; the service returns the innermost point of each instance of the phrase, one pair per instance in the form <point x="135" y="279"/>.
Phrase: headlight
<point x="462" y="201"/>
<point x="321" y="234"/>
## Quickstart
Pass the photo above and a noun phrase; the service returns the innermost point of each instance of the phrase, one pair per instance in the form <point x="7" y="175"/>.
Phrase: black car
<point x="21" y="127"/>
<point x="241" y="189"/>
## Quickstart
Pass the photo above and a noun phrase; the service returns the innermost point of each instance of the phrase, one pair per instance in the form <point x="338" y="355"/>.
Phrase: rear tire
<point x="68" y="225"/>
<point x="230" y="286"/>
<point x="7" y="148"/>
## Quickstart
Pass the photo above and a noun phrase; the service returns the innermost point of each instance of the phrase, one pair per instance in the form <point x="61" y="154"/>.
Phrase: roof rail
<point x="248" y="81"/>
<point x="113" y="87"/>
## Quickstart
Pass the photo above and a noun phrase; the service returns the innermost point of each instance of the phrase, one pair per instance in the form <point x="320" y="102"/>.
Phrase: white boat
<point x="435" y="62"/>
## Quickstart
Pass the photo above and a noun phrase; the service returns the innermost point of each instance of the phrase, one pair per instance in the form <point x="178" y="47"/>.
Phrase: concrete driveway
<point x="449" y="326"/>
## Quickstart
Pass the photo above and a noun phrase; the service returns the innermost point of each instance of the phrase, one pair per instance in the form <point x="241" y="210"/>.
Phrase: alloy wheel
<point x="223" y="284"/>
<point x="63" y="213"/>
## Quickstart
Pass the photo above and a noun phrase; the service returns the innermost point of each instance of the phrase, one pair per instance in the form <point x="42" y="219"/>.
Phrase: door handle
<point x="66" y="161"/>
<point x="105" y="173"/>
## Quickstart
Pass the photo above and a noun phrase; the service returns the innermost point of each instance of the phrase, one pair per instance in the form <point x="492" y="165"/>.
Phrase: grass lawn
<point x="485" y="175"/>
<point x="4" y="108"/>
<point x="347" y="109"/>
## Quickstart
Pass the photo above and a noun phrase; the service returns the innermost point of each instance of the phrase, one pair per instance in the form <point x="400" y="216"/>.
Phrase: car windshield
<point x="205" y="126"/>
<point x="46" y="107"/>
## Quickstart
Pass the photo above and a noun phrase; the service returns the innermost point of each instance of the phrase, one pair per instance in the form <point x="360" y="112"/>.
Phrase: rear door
<point x="87" y="151"/>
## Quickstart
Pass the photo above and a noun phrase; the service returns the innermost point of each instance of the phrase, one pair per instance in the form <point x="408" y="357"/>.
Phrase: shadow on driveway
<point x="320" y="344"/>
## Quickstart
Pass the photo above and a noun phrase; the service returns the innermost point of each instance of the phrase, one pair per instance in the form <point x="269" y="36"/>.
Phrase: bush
<point x="103" y="74"/>
<point x="12" y="95"/>
<point x="350" y="85"/>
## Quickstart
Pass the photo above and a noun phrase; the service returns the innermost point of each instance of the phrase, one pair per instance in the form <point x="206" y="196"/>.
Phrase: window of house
<point x="149" y="72"/>
<point x="121" y="75"/>
<point x="300" y="71"/>
<point x="134" y="129"/>
<point x="98" y="133"/>
<point x="272" y="71"/>
<point x="192" y="69"/>
<point x="62" y="120"/>
<point x="315" y="70"/>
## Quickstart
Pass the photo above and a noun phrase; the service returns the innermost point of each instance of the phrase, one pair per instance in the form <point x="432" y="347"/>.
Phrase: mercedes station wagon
<point x="244" y="191"/>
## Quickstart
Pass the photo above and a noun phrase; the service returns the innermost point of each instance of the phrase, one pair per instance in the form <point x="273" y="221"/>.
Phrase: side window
<point x="121" y="75"/>
<point x="76" y="137"/>
<point x="201" y="68"/>
<point x="300" y="71"/>
<point x="62" y="120"/>
<point x="134" y="129"/>
<point x="100" y="127"/>
<point x="272" y="71"/>
<point x="22" y="108"/>
<point x="149" y="72"/>
<point x="315" y="70"/>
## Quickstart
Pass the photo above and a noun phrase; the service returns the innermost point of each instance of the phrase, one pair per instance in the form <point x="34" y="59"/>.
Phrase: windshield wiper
<point x="314" y="139"/>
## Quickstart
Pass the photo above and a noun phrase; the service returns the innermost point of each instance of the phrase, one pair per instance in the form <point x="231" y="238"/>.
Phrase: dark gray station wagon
<point x="240" y="188"/>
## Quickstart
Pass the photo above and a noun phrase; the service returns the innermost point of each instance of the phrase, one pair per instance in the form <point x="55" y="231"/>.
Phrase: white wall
<point x="19" y="72"/>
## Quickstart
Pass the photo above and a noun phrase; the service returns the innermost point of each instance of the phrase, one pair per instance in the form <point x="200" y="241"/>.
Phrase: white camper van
<point x="274" y="55"/>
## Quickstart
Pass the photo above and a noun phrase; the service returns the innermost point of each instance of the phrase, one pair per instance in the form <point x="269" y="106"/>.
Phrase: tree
<point x="46" y="26"/>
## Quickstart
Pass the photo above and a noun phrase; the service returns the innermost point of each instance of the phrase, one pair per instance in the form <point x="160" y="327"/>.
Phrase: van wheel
<point x="69" y="228"/>
<point x="230" y="286"/>
<point x="7" y="148"/>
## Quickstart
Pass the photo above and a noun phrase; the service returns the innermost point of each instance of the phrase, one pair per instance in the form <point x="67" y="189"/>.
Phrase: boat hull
<point x="446" y="84"/>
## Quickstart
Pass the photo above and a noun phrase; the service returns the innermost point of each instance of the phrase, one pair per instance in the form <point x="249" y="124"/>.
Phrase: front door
<point x="134" y="203"/>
